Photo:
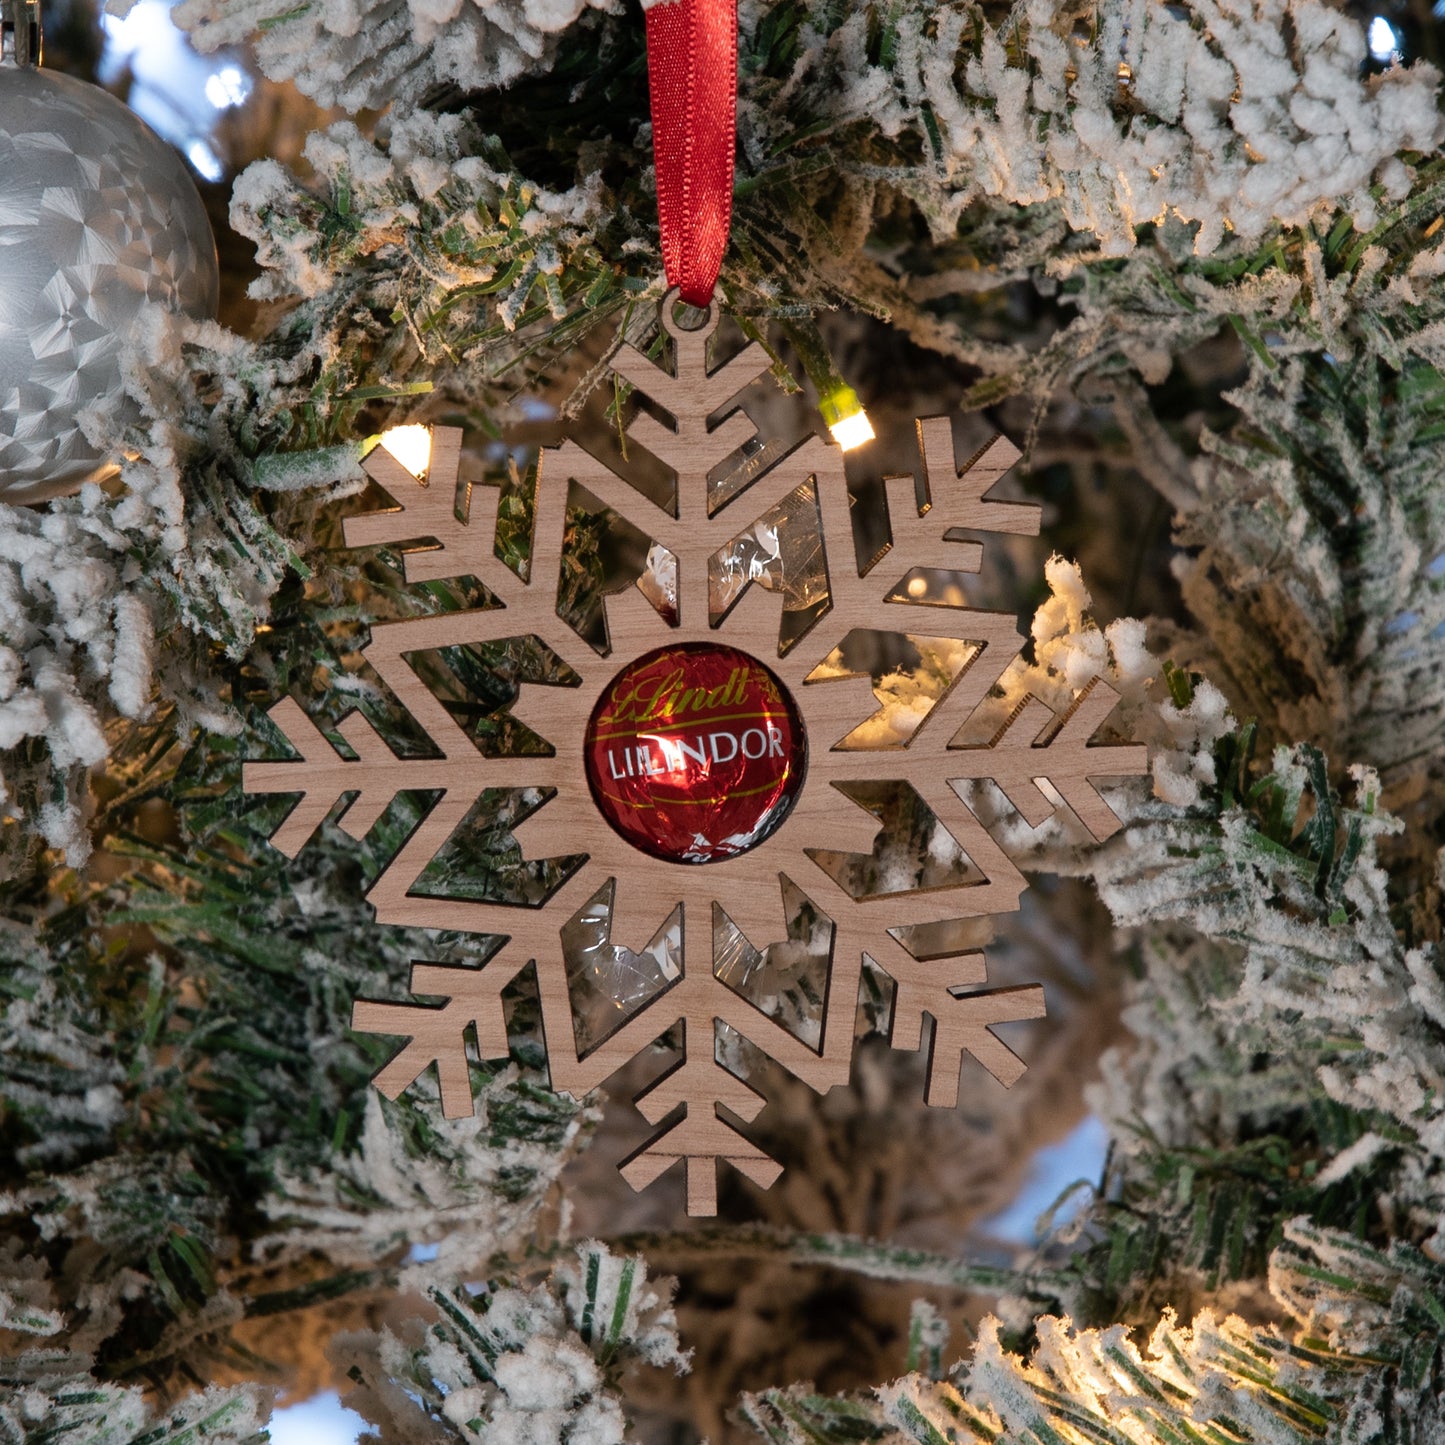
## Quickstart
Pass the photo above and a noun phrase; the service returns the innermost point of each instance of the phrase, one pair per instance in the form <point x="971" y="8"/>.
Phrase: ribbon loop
<point x="692" y="69"/>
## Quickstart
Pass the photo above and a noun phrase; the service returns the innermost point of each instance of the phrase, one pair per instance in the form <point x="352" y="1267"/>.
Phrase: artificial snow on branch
<point x="511" y="1365"/>
<point x="360" y="53"/>
<point x="1237" y="117"/>
<point x="181" y="548"/>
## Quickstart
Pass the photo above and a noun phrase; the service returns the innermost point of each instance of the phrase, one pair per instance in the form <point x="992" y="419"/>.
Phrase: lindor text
<point x="677" y="755"/>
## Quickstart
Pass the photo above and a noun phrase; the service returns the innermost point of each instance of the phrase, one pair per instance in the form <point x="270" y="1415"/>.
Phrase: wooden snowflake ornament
<point x="612" y="738"/>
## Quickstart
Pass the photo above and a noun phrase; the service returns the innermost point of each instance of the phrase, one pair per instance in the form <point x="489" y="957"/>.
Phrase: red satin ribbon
<point x="692" y="69"/>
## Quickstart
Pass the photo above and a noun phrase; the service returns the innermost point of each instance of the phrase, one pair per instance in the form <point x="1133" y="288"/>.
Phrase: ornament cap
<point x="20" y="36"/>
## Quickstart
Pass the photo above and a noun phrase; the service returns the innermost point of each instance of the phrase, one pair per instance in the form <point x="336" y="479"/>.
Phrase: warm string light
<point x="847" y="421"/>
<point x="852" y="431"/>
<point x="411" y="446"/>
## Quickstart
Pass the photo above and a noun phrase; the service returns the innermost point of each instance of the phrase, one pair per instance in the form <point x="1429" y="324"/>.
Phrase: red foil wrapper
<point x="695" y="753"/>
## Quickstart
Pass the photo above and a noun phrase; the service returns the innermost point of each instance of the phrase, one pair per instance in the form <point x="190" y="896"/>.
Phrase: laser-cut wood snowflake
<point x="1034" y="746"/>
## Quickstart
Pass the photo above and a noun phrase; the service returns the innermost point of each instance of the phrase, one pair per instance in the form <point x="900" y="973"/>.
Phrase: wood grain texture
<point x="1036" y="759"/>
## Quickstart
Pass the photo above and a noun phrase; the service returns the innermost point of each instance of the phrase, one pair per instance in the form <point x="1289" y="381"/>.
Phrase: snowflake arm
<point x="374" y="777"/>
<point x="427" y="511"/>
<point x="962" y="1024"/>
<point x="961" y="493"/>
<point x="701" y="1137"/>
<point x="1035" y="745"/>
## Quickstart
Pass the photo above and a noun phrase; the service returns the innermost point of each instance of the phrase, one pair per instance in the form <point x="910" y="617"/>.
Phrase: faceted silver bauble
<point x="97" y="215"/>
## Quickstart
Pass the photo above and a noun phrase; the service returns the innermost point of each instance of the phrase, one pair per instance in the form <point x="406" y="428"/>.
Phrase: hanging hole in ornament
<point x="681" y="318"/>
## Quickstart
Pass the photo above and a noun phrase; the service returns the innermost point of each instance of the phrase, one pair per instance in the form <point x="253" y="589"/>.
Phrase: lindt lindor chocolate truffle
<point x="695" y="753"/>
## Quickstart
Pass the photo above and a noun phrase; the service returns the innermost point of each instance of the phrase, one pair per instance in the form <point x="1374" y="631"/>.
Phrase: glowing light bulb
<point x="411" y="446"/>
<point x="846" y="419"/>
<point x="852" y="431"/>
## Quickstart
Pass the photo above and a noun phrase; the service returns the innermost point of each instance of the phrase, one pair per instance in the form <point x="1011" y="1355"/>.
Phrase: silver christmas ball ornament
<point x="98" y="216"/>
